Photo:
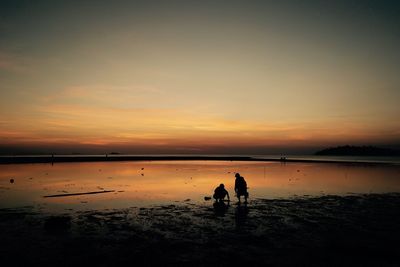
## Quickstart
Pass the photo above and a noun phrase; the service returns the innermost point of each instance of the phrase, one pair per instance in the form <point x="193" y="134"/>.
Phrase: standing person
<point x="241" y="187"/>
<point x="220" y="193"/>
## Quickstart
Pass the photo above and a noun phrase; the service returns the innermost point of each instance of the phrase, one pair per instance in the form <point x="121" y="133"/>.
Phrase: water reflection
<point x="241" y="212"/>
<point x="220" y="208"/>
<point x="143" y="183"/>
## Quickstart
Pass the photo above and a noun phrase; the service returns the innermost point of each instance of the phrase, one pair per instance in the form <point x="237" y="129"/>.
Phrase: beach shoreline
<point x="356" y="230"/>
<point x="112" y="158"/>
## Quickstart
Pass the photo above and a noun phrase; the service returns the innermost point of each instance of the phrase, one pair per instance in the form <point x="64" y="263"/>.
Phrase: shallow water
<point x="146" y="183"/>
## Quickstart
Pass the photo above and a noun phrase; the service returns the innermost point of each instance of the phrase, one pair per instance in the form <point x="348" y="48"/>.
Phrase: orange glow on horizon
<point x="75" y="124"/>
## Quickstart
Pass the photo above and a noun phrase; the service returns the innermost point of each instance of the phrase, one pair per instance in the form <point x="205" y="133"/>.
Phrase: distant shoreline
<point x="367" y="151"/>
<point x="113" y="158"/>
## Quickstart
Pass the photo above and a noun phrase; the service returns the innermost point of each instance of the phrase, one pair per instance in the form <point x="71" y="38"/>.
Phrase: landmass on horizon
<point x="346" y="150"/>
<point x="358" y="151"/>
<point x="342" y="151"/>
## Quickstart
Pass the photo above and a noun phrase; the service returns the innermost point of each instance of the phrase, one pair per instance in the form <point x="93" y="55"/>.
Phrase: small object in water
<point x="207" y="198"/>
<point x="142" y="169"/>
<point x="142" y="174"/>
<point x="298" y="170"/>
<point x="11" y="181"/>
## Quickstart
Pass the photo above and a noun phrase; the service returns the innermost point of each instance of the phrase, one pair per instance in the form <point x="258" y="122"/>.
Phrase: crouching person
<point x="220" y="193"/>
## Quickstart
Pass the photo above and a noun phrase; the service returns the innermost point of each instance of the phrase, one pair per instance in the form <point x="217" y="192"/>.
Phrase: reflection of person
<point x="220" y="208"/>
<point x="220" y="193"/>
<point x="241" y="187"/>
<point x="241" y="212"/>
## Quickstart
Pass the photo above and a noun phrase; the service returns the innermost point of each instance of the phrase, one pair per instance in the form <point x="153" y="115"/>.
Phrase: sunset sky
<point x="252" y="77"/>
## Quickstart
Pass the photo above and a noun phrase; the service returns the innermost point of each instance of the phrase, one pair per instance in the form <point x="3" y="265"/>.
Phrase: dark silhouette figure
<point x="220" y="193"/>
<point x="241" y="188"/>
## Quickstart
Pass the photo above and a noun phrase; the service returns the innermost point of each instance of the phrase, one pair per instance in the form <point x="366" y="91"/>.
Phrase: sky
<point x="198" y="77"/>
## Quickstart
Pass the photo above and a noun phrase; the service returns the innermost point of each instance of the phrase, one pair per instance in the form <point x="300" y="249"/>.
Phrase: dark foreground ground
<point x="360" y="230"/>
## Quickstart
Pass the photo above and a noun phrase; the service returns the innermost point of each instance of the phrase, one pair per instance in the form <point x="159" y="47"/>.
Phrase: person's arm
<point x="227" y="194"/>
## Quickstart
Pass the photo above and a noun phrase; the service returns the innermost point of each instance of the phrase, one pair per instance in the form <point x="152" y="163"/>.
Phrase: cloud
<point x="101" y="115"/>
<point x="105" y="95"/>
<point x="97" y="125"/>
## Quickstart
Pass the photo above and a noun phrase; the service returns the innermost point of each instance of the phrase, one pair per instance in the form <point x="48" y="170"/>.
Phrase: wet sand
<point x="354" y="230"/>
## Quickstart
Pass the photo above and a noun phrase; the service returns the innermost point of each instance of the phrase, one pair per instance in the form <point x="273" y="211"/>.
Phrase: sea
<point x="76" y="186"/>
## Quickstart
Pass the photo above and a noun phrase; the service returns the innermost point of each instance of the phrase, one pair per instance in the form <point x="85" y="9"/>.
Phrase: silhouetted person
<point x="220" y="193"/>
<point x="241" y="187"/>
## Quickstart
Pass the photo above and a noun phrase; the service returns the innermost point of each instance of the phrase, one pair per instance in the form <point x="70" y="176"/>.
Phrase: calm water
<point x="146" y="183"/>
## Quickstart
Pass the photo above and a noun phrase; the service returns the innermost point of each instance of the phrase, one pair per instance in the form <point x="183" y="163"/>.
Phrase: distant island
<point x="358" y="151"/>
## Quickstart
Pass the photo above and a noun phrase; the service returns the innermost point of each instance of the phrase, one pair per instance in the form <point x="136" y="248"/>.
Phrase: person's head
<point x="222" y="185"/>
<point x="237" y="175"/>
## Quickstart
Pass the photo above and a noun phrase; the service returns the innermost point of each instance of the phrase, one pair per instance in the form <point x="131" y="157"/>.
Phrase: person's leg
<point x="215" y="197"/>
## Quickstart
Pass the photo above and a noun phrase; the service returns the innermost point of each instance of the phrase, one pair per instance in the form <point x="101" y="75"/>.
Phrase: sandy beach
<point x="355" y="230"/>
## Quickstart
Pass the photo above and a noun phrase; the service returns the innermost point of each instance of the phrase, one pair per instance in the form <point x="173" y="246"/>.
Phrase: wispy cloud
<point x="104" y="95"/>
<point x="99" y="125"/>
